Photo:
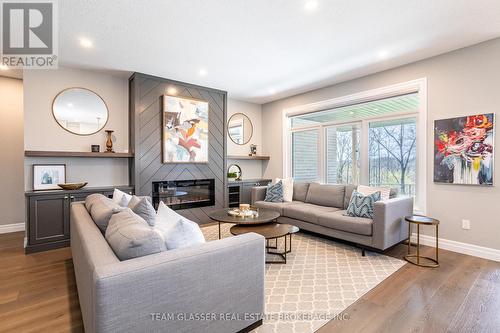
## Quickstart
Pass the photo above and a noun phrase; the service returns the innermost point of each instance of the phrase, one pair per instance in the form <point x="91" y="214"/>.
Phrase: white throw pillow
<point x="121" y="197"/>
<point x="287" y="188"/>
<point x="183" y="233"/>
<point x="367" y="190"/>
<point x="178" y="231"/>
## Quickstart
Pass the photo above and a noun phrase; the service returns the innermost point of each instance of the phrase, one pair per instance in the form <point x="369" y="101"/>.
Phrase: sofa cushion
<point x="91" y="199"/>
<point x="121" y="197"/>
<point x="306" y="212"/>
<point x="362" y="205"/>
<point x="337" y="220"/>
<point x="367" y="190"/>
<point x="177" y="231"/>
<point x="130" y="236"/>
<point x="287" y="188"/>
<point x="348" y="192"/>
<point x="276" y="206"/>
<point x="143" y="208"/>
<point x="300" y="191"/>
<point x="102" y="209"/>
<point x="274" y="192"/>
<point x="326" y="195"/>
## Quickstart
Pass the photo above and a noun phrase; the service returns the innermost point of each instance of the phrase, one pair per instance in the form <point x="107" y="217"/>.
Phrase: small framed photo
<point x="47" y="176"/>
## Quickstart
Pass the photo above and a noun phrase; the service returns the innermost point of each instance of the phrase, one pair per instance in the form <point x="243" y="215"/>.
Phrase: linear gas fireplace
<point x="184" y="194"/>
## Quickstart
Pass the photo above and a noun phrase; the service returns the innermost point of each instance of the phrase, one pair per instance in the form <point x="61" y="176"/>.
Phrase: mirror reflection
<point x="240" y="128"/>
<point x="80" y="111"/>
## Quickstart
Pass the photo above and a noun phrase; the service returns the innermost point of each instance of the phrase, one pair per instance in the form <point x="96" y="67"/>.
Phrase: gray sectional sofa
<point x="321" y="208"/>
<point x="159" y="292"/>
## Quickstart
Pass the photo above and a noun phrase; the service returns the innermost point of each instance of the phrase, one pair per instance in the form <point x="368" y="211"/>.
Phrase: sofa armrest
<point x="150" y="293"/>
<point x="389" y="226"/>
<point x="258" y="193"/>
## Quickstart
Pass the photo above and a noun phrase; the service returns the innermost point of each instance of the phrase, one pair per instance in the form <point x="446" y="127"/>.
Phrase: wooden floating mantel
<point x="232" y="157"/>
<point x="39" y="153"/>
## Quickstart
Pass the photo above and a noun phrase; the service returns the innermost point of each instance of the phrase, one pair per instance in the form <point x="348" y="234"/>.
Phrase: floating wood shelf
<point x="232" y="157"/>
<point x="38" y="153"/>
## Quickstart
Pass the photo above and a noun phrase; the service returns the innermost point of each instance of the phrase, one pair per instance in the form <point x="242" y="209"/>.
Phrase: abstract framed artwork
<point x="47" y="176"/>
<point x="464" y="150"/>
<point x="185" y="130"/>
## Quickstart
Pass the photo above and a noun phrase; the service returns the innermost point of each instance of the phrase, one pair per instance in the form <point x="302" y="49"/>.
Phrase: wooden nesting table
<point x="265" y="224"/>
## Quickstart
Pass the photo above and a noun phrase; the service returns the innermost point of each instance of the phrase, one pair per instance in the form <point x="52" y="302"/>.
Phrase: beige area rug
<point x="320" y="279"/>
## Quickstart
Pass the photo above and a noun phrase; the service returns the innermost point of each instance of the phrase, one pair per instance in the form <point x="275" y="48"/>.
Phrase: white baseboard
<point x="14" y="227"/>
<point x="464" y="248"/>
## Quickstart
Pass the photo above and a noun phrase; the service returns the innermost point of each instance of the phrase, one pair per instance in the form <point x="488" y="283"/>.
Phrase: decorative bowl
<point x="72" y="186"/>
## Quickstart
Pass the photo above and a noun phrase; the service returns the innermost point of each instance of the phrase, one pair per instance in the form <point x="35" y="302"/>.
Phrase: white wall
<point x="250" y="169"/>
<point x="462" y="82"/>
<point x="11" y="162"/>
<point x="41" y="131"/>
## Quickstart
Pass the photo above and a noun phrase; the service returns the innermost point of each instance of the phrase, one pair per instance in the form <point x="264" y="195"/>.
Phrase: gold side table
<point x="417" y="258"/>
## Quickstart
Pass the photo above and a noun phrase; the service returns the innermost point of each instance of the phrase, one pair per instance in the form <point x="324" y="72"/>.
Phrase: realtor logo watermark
<point x="29" y="34"/>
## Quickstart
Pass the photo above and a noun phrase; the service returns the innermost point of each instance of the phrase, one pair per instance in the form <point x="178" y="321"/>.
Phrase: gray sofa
<point x="157" y="292"/>
<point x="321" y="208"/>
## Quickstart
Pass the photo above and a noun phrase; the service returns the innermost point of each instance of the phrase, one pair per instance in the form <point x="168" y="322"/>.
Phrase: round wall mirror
<point x="240" y="128"/>
<point x="234" y="172"/>
<point x="80" y="111"/>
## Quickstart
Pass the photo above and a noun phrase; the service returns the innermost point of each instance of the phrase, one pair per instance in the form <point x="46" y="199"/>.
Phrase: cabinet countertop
<point x="244" y="181"/>
<point x="82" y="190"/>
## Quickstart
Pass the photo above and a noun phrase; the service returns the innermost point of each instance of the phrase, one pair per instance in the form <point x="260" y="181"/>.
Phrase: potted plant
<point x="231" y="176"/>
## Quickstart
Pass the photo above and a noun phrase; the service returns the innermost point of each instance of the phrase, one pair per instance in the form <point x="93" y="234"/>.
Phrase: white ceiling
<point x="263" y="50"/>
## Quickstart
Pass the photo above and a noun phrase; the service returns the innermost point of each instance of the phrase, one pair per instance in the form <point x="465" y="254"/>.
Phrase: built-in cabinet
<point x="241" y="191"/>
<point x="48" y="215"/>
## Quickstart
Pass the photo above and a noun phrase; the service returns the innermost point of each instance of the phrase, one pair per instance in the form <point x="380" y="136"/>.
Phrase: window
<point x="392" y="154"/>
<point x="372" y="142"/>
<point x="342" y="154"/>
<point x="305" y="155"/>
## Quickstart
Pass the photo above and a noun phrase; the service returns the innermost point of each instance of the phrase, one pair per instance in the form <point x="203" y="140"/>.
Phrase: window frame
<point x="418" y="86"/>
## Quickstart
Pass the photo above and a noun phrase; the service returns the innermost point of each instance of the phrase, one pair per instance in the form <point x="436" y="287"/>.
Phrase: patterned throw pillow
<point x="274" y="192"/>
<point x="362" y="206"/>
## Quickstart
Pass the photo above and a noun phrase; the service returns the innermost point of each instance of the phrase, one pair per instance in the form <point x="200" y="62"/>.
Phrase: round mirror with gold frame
<point x="80" y="111"/>
<point x="240" y="128"/>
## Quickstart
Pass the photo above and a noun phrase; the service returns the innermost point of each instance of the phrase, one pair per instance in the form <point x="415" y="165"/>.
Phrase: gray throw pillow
<point x="143" y="208"/>
<point x="101" y="210"/>
<point x="130" y="236"/>
<point x="362" y="206"/>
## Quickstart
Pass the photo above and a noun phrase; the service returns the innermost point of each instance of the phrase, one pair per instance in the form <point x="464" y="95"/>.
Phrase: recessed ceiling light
<point x="172" y="91"/>
<point x="311" y="5"/>
<point x="70" y="105"/>
<point x="272" y="91"/>
<point x="383" y="54"/>
<point x="86" y="43"/>
<point x="202" y="72"/>
<point x="4" y="67"/>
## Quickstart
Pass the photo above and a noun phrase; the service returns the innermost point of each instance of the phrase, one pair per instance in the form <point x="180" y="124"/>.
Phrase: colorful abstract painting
<point x="463" y="150"/>
<point x="185" y="130"/>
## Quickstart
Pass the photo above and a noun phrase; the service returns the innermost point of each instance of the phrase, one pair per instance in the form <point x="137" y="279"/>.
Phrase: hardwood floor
<point x="37" y="291"/>
<point x="38" y="294"/>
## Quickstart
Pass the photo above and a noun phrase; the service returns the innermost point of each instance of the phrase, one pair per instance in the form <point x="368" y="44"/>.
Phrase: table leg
<point x="418" y="244"/>
<point x="219" y="231"/>
<point x="437" y="243"/>
<point x="409" y="236"/>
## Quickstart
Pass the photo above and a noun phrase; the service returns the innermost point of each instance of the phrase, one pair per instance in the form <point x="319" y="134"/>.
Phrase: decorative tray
<point x="236" y="212"/>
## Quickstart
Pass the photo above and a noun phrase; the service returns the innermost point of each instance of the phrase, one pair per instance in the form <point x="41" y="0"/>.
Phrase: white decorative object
<point x="121" y="197"/>
<point x="287" y="188"/>
<point x="178" y="231"/>
<point x="367" y="190"/>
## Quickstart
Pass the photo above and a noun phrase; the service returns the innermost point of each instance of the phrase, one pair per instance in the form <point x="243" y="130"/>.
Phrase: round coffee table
<point x="221" y="216"/>
<point x="416" y="258"/>
<point x="270" y="231"/>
